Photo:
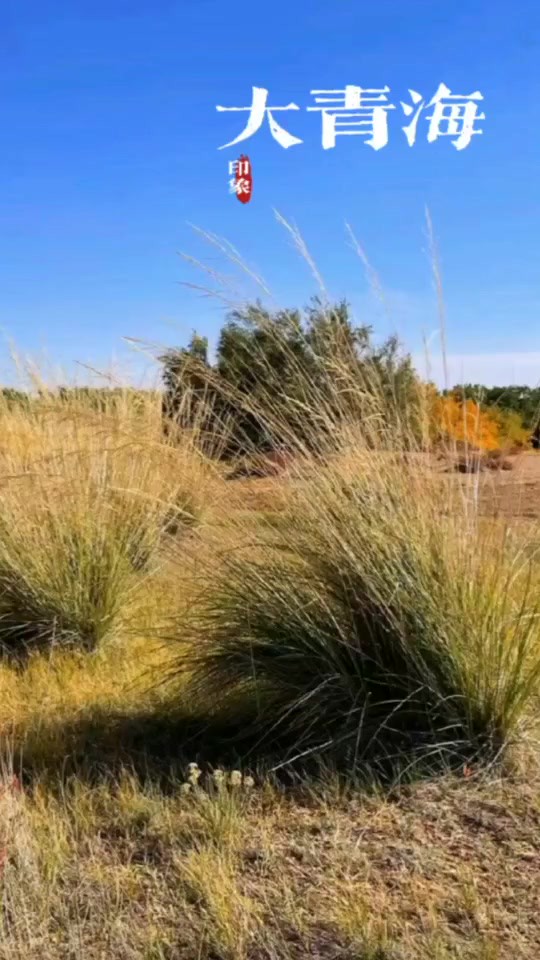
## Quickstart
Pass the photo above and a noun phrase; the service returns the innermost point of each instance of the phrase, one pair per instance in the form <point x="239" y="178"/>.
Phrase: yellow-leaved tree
<point x="460" y="420"/>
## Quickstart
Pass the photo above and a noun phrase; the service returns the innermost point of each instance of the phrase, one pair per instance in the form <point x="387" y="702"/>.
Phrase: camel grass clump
<point x="86" y="498"/>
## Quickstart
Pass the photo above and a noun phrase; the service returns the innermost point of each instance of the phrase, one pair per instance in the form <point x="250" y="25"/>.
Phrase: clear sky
<point x="109" y="150"/>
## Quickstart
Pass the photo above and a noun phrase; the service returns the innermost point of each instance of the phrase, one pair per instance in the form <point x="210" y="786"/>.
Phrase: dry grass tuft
<point x="86" y="498"/>
<point x="373" y="616"/>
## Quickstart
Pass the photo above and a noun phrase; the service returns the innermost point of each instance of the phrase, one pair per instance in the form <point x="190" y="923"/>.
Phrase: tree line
<point x="274" y="373"/>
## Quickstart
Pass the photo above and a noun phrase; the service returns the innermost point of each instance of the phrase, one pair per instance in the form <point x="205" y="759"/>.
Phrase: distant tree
<point x="460" y="418"/>
<point x="275" y="369"/>
<point x="184" y="371"/>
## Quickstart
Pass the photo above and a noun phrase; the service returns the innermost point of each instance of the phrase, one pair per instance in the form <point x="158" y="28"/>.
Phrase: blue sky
<point x="109" y="151"/>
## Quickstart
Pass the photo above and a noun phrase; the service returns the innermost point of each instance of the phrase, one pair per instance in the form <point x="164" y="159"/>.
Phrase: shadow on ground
<point x="156" y="746"/>
<point x="101" y="744"/>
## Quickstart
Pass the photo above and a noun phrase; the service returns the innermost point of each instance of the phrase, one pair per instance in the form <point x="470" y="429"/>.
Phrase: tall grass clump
<point x="86" y="497"/>
<point x="377" y="619"/>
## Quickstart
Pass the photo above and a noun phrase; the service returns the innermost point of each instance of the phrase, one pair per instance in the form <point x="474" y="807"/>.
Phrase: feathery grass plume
<point x="377" y="619"/>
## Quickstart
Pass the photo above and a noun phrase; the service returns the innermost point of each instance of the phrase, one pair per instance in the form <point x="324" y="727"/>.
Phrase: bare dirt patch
<point x="515" y="493"/>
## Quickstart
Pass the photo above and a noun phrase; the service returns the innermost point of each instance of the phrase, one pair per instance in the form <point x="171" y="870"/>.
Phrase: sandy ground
<point x="503" y="493"/>
<point x="514" y="493"/>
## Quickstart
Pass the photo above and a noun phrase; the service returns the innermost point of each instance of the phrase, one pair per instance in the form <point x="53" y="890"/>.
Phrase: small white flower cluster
<point x="220" y="778"/>
<point x="234" y="779"/>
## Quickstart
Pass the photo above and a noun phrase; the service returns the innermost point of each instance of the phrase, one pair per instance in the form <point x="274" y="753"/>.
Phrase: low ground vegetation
<point x="279" y="717"/>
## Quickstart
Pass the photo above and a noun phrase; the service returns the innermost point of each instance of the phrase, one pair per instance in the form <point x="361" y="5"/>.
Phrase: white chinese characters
<point x="363" y="112"/>
<point x="452" y="116"/>
<point x="239" y="181"/>
<point x="257" y="112"/>
<point x="353" y="111"/>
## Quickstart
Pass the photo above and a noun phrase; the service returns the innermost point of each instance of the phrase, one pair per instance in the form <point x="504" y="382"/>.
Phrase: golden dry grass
<point x="99" y="859"/>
